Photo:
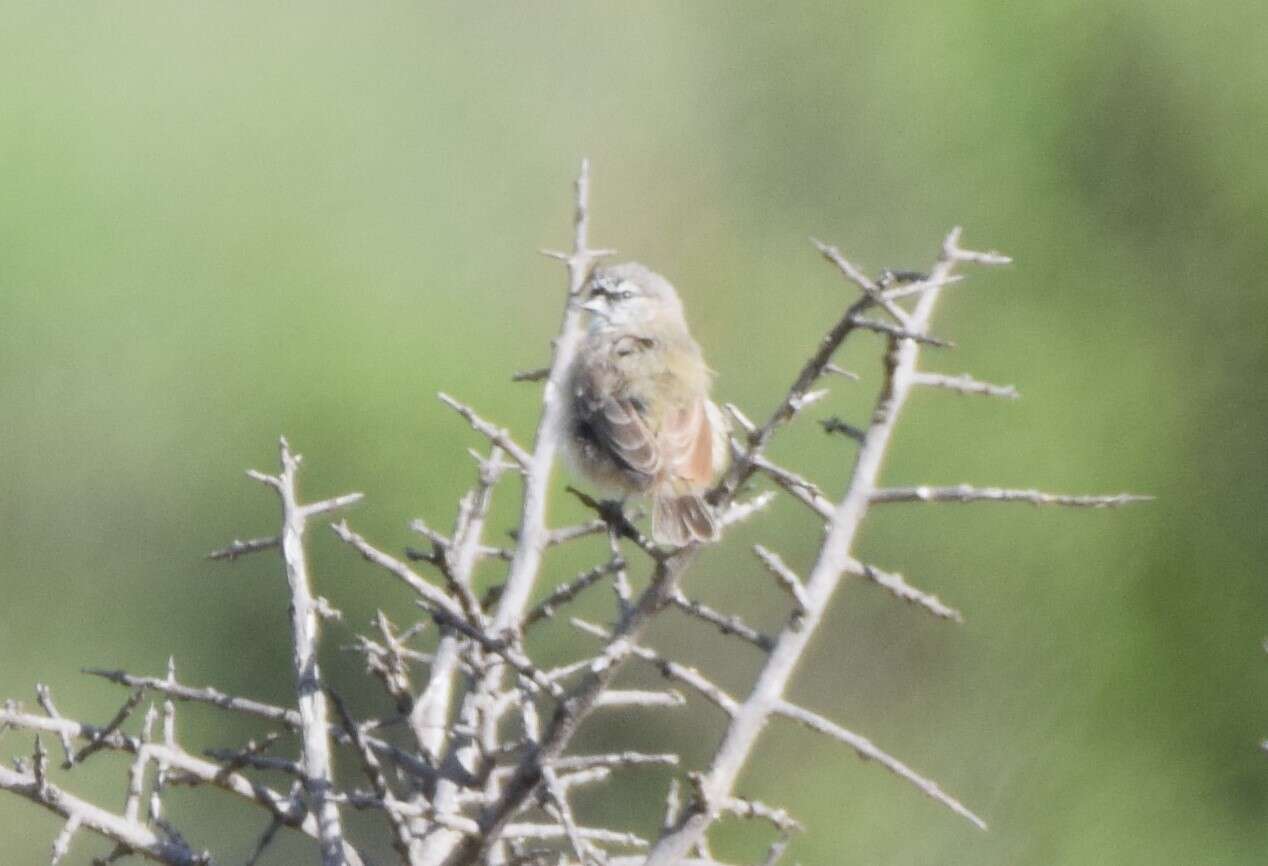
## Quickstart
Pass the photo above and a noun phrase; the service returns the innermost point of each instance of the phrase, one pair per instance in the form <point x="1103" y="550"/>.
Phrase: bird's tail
<point x="679" y="520"/>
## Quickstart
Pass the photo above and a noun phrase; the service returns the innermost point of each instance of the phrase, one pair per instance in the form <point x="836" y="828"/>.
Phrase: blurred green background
<point x="218" y="224"/>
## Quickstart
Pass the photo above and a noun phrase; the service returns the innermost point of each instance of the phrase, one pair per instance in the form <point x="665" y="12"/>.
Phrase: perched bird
<point x="640" y="420"/>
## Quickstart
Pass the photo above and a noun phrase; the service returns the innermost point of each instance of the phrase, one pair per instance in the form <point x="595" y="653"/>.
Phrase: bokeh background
<point x="221" y="223"/>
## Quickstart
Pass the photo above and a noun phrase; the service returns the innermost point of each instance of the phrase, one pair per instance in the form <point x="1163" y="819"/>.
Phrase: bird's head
<point x="630" y="294"/>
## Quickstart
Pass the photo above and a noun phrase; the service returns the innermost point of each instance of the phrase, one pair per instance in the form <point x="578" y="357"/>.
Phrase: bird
<point x="639" y="419"/>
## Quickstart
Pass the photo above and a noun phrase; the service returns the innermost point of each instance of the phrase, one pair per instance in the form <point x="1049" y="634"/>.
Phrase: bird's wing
<point x="687" y="445"/>
<point x="624" y="429"/>
<point x="618" y="423"/>
<point x="664" y="444"/>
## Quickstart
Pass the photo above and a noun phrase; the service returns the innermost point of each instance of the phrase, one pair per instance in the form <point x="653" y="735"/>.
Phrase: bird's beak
<point x="598" y="306"/>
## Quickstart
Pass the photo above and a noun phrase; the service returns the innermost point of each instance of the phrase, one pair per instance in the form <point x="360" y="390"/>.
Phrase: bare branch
<point x="266" y="839"/>
<point x="787" y="579"/>
<point x="738" y="512"/>
<point x="802" y="489"/>
<point x="61" y="845"/>
<point x="868" y="751"/>
<point x="507" y="649"/>
<point x="45" y="697"/>
<point x="969" y="493"/>
<point x="745" y="423"/>
<point x="558" y="804"/>
<point x="499" y="436"/>
<point x="776" y="851"/>
<point x="204" y="695"/>
<point x="402" y="838"/>
<point x="840" y="371"/>
<point x="488" y="753"/>
<point x="589" y="834"/>
<point x="102" y="737"/>
<point x="532" y="529"/>
<point x="314" y="727"/>
<point x="742" y="807"/>
<point x="854" y="275"/>
<point x="326" y="506"/>
<point x="843" y="427"/>
<point x="613" y="761"/>
<point x="537" y="375"/>
<point x="580" y="530"/>
<point x="830" y="564"/>
<point x="136" y="837"/>
<point x="566" y="592"/>
<point x="136" y="776"/>
<point x="965" y="384"/>
<point x="637" y="698"/>
<point x="532" y="534"/>
<point x="192" y="770"/>
<point x="238" y="548"/>
<point x="673" y="670"/>
<point x="611" y="513"/>
<point x="432" y="596"/>
<point x="900" y="333"/>
<point x="895" y="584"/>
<point x="727" y="624"/>
<point x="580" y="701"/>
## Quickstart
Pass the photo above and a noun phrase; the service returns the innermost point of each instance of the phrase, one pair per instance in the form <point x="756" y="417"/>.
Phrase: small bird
<point x="640" y="420"/>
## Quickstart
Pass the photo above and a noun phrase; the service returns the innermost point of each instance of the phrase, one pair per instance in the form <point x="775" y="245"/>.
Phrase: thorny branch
<point x="472" y="763"/>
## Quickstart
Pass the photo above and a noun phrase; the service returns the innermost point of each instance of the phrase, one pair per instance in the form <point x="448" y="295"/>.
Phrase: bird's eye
<point x="625" y="295"/>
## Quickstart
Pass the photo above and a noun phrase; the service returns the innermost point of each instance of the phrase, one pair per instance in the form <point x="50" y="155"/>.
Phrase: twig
<point x="895" y="584"/>
<point x="100" y="738"/>
<point x="965" y="384"/>
<point x="615" y="760"/>
<point x="843" y="427"/>
<point x="402" y="837"/>
<point x="590" y="834"/>
<point x="533" y="534"/>
<point x="969" y="493"/>
<point x="787" y="579"/>
<point x="868" y="751"/>
<point x="537" y="375"/>
<point x="738" y="512"/>
<point x="45" y="697"/>
<point x="204" y="695"/>
<point x="136" y="775"/>
<point x="532" y="528"/>
<point x="900" y="333"/>
<point x="557" y="801"/>
<point x="840" y="371"/>
<point x="802" y="489"/>
<point x="727" y="624"/>
<point x="566" y="592"/>
<point x="776" y="851"/>
<point x="639" y="698"/>
<point x="432" y="596"/>
<point x="504" y="648"/>
<point x="742" y="807"/>
<point x="238" y="547"/>
<point x="854" y="275"/>
<point x="580" y="701"/>
<point x="430" y="714"/>
<point x="61" y="845"/>
<point x="266" y="839"/>
<point x="314" y="726"/>
<point x="499" y="436"/>
<point x="136" y="837"/>
<point x="191" y="769"/>
<point x="684" y="674"/>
